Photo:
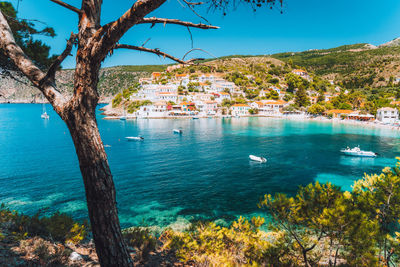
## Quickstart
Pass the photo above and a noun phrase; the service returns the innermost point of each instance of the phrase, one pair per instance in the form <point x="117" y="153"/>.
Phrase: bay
<point x="170" y="179"/>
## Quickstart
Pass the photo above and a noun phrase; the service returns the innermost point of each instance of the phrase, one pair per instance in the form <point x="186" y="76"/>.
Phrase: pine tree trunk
<point x="80" y="118"/>
<point x="100" y="190"/>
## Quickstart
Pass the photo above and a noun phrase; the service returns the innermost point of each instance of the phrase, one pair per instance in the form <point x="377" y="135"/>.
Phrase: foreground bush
<point x="58" y="227"/>
<point x="240" y="244"/>
<point x="141" y="239"/>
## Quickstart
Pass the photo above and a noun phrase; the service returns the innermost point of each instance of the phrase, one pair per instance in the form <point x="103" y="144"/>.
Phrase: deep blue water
<point x="167" y="178"/>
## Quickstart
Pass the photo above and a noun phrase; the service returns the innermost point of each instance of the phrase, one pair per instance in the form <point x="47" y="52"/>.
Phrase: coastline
<point x="370" y="124"/>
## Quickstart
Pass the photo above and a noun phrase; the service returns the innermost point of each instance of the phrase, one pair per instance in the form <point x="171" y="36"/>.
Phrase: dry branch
<point x="157" y="52"/>
<point x="154" y="20"/>
<point x="56" y="64"/>
<point x="72" y="8"/>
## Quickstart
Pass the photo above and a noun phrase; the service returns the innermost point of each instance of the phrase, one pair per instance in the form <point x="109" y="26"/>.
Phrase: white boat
<point x="134" y="138"/>
<point x="259" y="159"/>
<point x="195" y="118"/>
<point x="178" y="131"/>
<point x="44" y="113"/>
<point x="45" y="116"/>
<point x="122" y="118"/>
<point x="357" y="152"/>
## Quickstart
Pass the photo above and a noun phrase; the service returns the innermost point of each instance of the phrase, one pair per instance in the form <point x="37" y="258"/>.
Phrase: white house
<point x="206" y="78"/>
<point x="209" y="107"/>
<point x="270" y="107"/>
<point x="165" y="96"/>
<point x="223" y="96"/>
<point x="156" y="110"/>
<point x="387" y="115"/>
<point x="302" y="73"/>
<point x="240" y="109"/>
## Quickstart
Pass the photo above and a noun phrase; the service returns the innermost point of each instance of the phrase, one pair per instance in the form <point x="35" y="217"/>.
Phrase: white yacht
<point x="44" y="113"/>
<point x="134" y="138"/>
<point x="357" y="152"/>
<point x="178" y="131"/>
<point x="259" y="159"/>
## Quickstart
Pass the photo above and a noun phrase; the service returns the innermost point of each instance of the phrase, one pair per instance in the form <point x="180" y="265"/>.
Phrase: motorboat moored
<point x="256" y="158"/>
<point x="134" y="138"/>
<point x="178" y="131"/>
<point x="357" y="152"/>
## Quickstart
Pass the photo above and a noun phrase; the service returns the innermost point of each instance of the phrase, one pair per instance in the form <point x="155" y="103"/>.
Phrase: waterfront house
<point x="387" y="115"/>
<point x="240" y="109"/>
<point x="188" y="106"/>
<point x="338" y="113"/>
<point x="209" y="107"/>
<point x="257" y="105"/>
<point x="156" y="110"/>
<point x="270" y="107"/>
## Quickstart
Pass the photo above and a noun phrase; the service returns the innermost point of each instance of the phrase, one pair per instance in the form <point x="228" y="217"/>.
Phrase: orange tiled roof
<point x="276" y="102"/>
<point x="187" y="103"/>
<point x="240" y="105"/>
<point x="339" y="111"/>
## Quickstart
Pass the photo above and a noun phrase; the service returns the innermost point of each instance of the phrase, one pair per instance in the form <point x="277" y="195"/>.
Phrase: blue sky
<point x="304" y="24"/>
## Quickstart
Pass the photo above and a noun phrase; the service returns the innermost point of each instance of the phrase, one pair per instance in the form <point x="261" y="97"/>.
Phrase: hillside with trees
<point x="351" y="66"/>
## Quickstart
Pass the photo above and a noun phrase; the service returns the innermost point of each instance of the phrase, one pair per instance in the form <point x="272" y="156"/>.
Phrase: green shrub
<point x="117" y="100"/>
<point x="59" y="227"/>
<point x="241" y="244"/>
<point x="141" y="239"/>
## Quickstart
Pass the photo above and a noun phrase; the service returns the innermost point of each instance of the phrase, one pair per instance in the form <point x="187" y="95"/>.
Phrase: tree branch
<point x="157" y="52"/>
<point x="72" y="8"/>
<point x="154" y="20"/>
<point x="27" y="67"/>
<point x="56" y="64"/>
<point x="192" y="3"/>
<point x="118" y="28"/>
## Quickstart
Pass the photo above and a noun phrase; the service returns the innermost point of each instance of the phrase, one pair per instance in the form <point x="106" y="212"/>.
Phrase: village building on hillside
<point x="387" y="115"/>
<point x="302" y="73"/>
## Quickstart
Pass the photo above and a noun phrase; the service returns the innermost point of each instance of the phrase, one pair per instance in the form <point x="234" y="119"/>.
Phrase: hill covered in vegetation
<point x="352" y="66"/>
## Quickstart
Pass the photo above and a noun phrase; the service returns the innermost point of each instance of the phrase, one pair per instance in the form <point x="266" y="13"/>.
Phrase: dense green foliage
<point x="354" y="66"/>
<point x="24" y="30"/>
<point x="58" y="227"/>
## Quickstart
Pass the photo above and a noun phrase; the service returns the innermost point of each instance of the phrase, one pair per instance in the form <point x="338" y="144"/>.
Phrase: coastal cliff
<point x="18" y="89"/>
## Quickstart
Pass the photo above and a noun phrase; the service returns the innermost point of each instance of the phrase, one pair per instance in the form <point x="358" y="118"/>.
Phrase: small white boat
<point x="107" y="146"/>
<point x="195" y="118"/>
<point x="44" y="113"/>
<point x="357" y="152"/>
<point x="134" y="138"/>
<point x="45" y="116"/>
<point x="122" y="118"/>
<point x="259" y="159"/>
<point x="178" y="131"/>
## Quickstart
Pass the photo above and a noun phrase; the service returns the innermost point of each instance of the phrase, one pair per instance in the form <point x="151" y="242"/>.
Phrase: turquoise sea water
<point x="171" y="179"/>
